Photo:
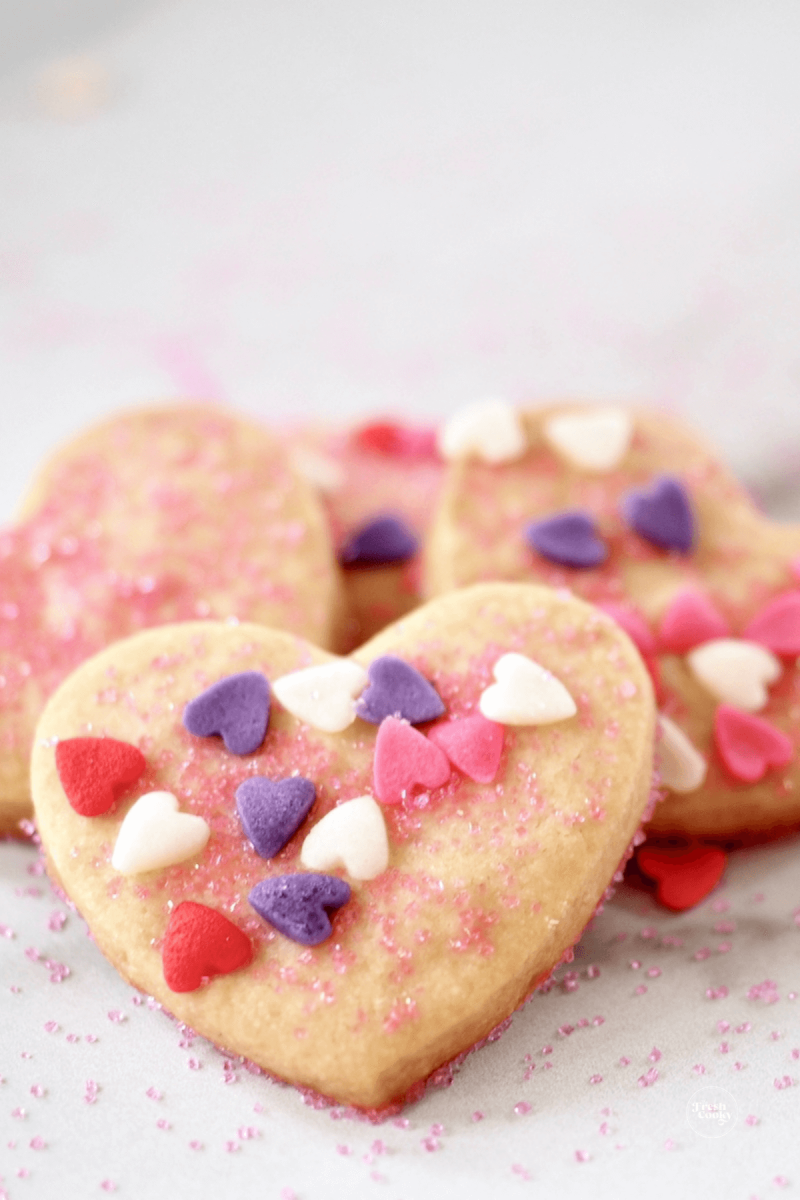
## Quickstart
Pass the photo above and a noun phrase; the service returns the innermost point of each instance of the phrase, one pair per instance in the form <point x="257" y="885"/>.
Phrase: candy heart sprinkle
<point x="353" y="836"/>
<point x="155" y="834"/>
<point x="323" y="696"/>
<point x="525" y="694"/>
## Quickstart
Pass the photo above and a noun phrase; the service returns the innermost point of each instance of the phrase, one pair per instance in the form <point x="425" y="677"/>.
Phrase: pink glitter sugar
<point x="716" y="993"/>
<point x="38" y="1143"/>
<point x="750" y="1119"/>
<point x="52" y="1027"/>
<point x="785" y="1081"/>
<point x="766" y="991"/>
<point x="57" y="920"/>
<point x="522" y="1108"/>
<point x="478" y="1115"/>
<point x="582" y="1156"/>
<point x="108" y="1185"/>
<point x="523" y="1172"/>
<point x="116" y="1016"/>
<point x="648" y="1079"/>
<point x="699" y="1069"/>
<point x="655" y="1055"/>
<point x="595" y="1079"/>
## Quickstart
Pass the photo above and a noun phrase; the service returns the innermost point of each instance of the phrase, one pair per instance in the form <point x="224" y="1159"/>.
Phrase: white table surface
<point x="334" y="210"/>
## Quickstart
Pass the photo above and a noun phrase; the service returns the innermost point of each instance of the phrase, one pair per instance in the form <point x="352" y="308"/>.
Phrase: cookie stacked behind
<point x="634" y="513"/>
<point x="159" y="515"/>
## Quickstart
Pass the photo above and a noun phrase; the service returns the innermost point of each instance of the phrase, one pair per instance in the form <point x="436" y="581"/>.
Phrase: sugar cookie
<point x="634" y="513"/>
<point x="156" y="515"/>
<point x="385" y="937"/>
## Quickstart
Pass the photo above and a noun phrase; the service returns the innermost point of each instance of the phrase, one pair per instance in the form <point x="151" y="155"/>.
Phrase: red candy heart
<point x="405" y="759"/>
<point x="200" y="942"/>
<point x="690" y="620"/>
<point x="777" y="626"/>
<point x="95" y="771"/>
<point x="748" y="746"/>
<point x="683" y="877"/>
<point x="396" y="441"/>
<point x="474" y="745"/>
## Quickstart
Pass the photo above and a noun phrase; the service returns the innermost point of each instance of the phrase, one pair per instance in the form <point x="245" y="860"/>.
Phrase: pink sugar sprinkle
<point x="781" y="1181"/>
<point x="723" y="1026"/>
<point x="699" y="1069"/>
<point x="194" y="1064"/>
<point x="745" y="1027"/>
<point x="288" y="1193"/>
<point x="648" y="932"/>
<point x="624" y="1061"/>
<point x="478" y="1115"/>
<point x="37" y="1089"/>
<point x="247" y="1133"/>
<point x="702" y="954"/>
<point x="430" y="1144"/>
<point x="232" y="1147"/>
<point x="195" y="1145"/>
<point x="648" y="1079"/>
<point x="108" y="1185"/>
<point x="598" y="1021"/>
<point x="592" y="972"/>
<point x="73" y="1037"/>
<point x="565" y="1030"/>
<point x="154" y="1094"/>
<point x="52" y="1026"/>
<point x="91" y="1038"/>
<point x="522" y="1108"/>
<point x="161" y="1123"/>
<point x="721" y="905"/>
<point x="595" y="1079"/>
<point x="653" y="972"/>
<point x="7" y="932"/>
<point x="37" y="1143"/>
<point x="725" y="927"/>
<point x="796" y="1053"/>
<point x="116" y="1016"/>
<point x="582" y="1156"/>
<point x="750" y="1119"/>
<point x="523" y="1172"/>
<point x="724" y="1048"/>
<point x="605" y="1129"/>
<point x="634" y="964"/>
<point x="640" y="990"/>
<point x="716" y="993"/>
<point x="738" y="1066"/>
<point x="766" y="991"/>
<point x="724" y="947"/>
<point x="57" y="920"/>
<point x="785" y="1081"/>
<point x="92" y="1088"/>
<point x="258" y="1107"/>
<point x="670" y="1145"/>
<point x="655" y="1054"/>
<point x="401" y="1123"/>
<point x="19" y="1113"/>
<point x="775" y="1036"/>
<point x="546" y="1050"/>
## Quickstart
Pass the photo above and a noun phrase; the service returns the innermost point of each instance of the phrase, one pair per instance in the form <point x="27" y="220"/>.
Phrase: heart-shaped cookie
<point x="158" y="515"/>
<point x="378" y="483"/>
<point x="487" y="886"/>
<point x="654" y="529"/>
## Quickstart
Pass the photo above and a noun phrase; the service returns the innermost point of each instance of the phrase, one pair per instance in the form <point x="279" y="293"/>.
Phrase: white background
<point x="350" y="208"/>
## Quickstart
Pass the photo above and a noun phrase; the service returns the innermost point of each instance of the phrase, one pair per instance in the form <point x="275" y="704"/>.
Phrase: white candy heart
<point x="353" y="836"/>
<point x="597" y="441"/>
<point x="525" y="694"/>
<point x="319" y="470"/>
<point x="735" y="671"/>
<point x="323" y="696"/>
<point x="488" y="429"/>
<point x="154" y="835"/>
<point x="680" y="764"/>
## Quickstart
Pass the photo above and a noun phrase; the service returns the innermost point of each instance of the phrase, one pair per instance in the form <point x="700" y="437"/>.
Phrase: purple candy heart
<point x="569" y="538"/>
<point x="297" y="904"/>
<point x="383" y="540"/>
<point x="271" y="811"/>
<point x="236" y="708"/>
<point x="663" y="514"/>
<point x="397" y="689"/>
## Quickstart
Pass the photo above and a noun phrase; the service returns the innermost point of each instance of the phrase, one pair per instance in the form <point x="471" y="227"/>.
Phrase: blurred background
<point x="350" y="208"/>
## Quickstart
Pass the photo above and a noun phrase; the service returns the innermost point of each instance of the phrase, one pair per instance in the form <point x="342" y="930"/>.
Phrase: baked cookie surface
<point x="157" y="515"/>
<point x="632" y="511"/>
<point x="480" y="887"/>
